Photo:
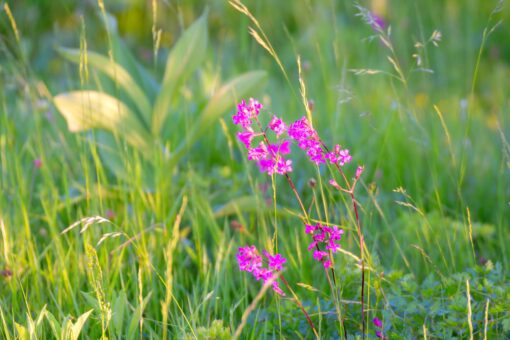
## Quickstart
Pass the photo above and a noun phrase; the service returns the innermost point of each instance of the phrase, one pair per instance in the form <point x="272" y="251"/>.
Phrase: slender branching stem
<point x="301" y="307"/>
<point x="350" y="191"/>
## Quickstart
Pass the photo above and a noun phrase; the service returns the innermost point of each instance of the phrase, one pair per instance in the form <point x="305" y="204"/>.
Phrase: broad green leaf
<point x="118" y="74"/>
<point x="85" y="110"/>
<point x="119" y="309"/>
<point x="187" y="54"/>
<point x="110" y="154"/>
<point x="78" y="325"/>
<point x="124" y="57"/>
<point x="228" y="95"/>
<point x="223" y="100"/>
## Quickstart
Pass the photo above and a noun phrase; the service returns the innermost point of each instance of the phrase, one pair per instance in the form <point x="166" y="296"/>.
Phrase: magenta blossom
<point x="278" y="126"/>
<point x="276" y="261"/>
<point x="327" y="236"/>
<point x="250" y="260"/>
<point x="258" y="153"/>
<point x="246" y="112"/>
<point x="339" y="156"/>
<point x="246" y="137"/>
<point x="308" y="139"/>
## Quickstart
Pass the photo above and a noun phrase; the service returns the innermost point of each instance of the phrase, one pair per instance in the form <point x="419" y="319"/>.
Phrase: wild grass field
<point x="127" y="198"/>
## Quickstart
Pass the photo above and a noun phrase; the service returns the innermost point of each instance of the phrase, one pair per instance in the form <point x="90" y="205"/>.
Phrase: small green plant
<point x="140" y="114"/>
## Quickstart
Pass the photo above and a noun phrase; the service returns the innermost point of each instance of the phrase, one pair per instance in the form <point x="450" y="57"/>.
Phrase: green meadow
<point x="125" y="193"/>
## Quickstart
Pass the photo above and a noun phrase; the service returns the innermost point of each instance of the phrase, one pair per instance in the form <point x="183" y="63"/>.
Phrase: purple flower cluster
<point x="329" y="236"/>
<point x="269" y="157"/>
<point x="308" y="139"/>
<point x="246" y="113"/>
<point x="340" y="156"/>
<point x="250" y="261"/>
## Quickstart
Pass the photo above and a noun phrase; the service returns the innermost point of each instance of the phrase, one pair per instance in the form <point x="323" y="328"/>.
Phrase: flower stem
<point x="301" y="307"/>
<point x="350" y="190"/>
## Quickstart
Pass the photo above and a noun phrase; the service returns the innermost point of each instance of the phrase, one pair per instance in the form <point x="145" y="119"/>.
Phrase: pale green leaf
<point x="111" y="155"/>
<point x="85" y="110"/>
<point x="119" y="309"/>
<point x="21" y="331"/>
<point x="185" y="57"/>
<point x="124" y="57"/>
<point x="118" y="74"/>
<point x="78" y="325"/>
<point x="245" y="85"/>
<point x="54" y="325"/>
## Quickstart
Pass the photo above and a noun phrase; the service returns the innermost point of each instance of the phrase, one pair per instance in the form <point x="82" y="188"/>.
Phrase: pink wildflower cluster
<point x="329" y="236"/>
<point x="250" y="261"/>
<point x="269" y="157"/>
<point x="246" y="113"/>
<point x="308" y="139"/>
<point x="339" y="156"/>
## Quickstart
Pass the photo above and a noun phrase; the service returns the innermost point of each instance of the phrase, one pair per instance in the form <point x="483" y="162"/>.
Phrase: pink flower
<point x="263" y="273"/>
<point x="277" y="125"/>
<point x="377" y="322"/>
<point x="277" y="289"/>
<point x="301" y="130"/>
<point x="315" y="153"/>
<point x="307" y="139"/>
<point x="309" y="229"/>
<point x="246" y="137"/>
<point x="339" y="156"/>
<point x="344" y="157"/>
<point x="283" y="148"/>
<point x="335" y="233"/>
<point x="318" y="255"/>
<point x="246" y="112"/>
<point x="359" y="171"/>
<point x="333" y="246"/>
<point x="327" y="236"/>
<point x="250" y="261"/>
<point x="283" y="166"/>
<point x="276" y="261"/>
<point x="258" y="153"/>
<point x="38" y="163"/>
<point x="267" y="165"/>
